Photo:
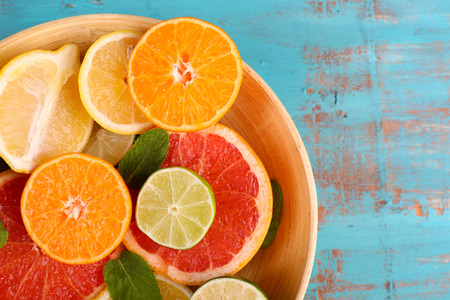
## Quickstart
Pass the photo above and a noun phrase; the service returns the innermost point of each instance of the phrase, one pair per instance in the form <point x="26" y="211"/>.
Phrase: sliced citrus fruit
<point x="76" y="208"/>
<point x="104" y="295"/>
<point x="40" y="108"/>
<point x="108" y="145"/>
<point x="169" y="290"/>
<point x="184" y="74"/>
<point x="229" y="288"/>
<point x="25" y="271"/>
<point x="243" y="199"/>
<point x="175" y="208"/>
<point x="103" y="84"/>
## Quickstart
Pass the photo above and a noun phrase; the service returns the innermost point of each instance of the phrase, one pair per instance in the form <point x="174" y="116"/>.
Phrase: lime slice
<point x="229" y="288"/>
<point x="175" y="208"/>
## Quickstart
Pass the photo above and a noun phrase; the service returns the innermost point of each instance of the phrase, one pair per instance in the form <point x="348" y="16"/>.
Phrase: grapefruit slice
<point x="243" y="198"/>
<point x="25" y="271"/>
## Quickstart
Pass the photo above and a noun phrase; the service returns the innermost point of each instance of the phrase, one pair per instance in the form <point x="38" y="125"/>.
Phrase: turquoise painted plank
<point x="367" y="85"/>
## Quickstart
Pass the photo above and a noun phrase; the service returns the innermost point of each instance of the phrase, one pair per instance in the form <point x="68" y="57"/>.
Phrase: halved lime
<point x="175" y="208"/>
<point x="229" y="288"/>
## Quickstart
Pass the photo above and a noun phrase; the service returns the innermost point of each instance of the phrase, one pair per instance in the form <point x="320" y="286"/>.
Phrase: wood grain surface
<point x="367" y="83"/>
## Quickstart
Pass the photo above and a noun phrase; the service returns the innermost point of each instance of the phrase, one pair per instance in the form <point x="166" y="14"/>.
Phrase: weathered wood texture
<point x="367" y="83"/>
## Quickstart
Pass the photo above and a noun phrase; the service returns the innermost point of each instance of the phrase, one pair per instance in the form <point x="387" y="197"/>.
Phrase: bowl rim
<point x="281" y="109"/>
<point x="309" y="178"/>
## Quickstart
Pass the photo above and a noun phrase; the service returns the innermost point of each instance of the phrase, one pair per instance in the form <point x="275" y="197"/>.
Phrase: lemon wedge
<point x="41" y="114"/>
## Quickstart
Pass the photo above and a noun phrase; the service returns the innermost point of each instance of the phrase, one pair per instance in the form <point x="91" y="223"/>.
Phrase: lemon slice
<point x="108" y="145"/>
<point x="103" y="84"/>
<point x="229" y="288"/>
<point x="41" y="113"/>
<point x="104" y="295"/>
<point x="175" y="207"/>
<point x="169" y="290"/>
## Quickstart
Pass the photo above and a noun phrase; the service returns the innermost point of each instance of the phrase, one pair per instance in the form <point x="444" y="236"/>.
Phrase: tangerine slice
<point x="25" y="271"/>
<point x="76" y="208"/>
<point x="184" y="74"/>
<point x="243" y="197"/>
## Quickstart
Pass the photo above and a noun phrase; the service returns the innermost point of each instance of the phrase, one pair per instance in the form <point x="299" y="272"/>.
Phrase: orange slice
<point x="26" y="272"/>
<point x="76" y="208"/>
<point x="243" y="197"/>
<point x="184" y="74"/>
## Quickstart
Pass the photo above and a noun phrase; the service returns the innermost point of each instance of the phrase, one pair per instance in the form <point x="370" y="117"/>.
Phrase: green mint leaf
<point x="3" y="165"/>
<point x="130" y="278"/>
<point x="276" y="214"/>
<point x="149" y="151"/>
<point x="3" y="235"/>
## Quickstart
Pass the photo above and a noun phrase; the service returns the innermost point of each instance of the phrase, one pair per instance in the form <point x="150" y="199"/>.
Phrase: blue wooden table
<point x="367" y="83"/>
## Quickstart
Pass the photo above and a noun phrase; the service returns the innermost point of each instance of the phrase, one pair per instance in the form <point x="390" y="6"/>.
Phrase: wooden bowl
<point x="282" y="269"/>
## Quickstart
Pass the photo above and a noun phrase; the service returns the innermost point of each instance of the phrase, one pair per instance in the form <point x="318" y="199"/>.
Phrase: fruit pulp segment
<point x="106" y="91"/>
<point x="213" y="45"/>
<point x="69" y="108"/>
<point x="168" y="106"/>
<point x="218" y="89"/>
<point x="235" y="187"/>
